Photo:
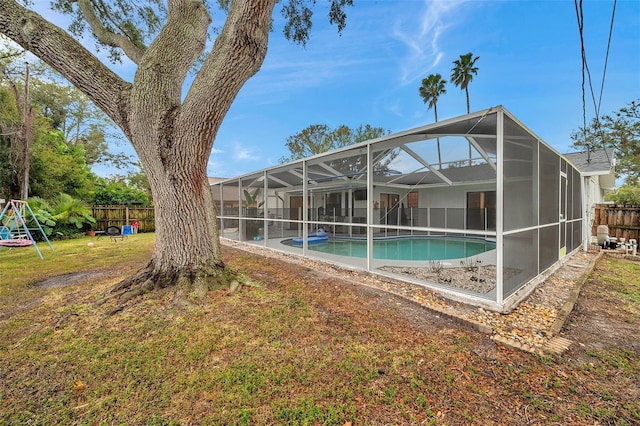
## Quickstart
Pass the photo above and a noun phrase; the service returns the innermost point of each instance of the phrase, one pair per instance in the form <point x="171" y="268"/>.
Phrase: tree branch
<point x="238" y="54"/>
<point x="107" y="37"/>
<point x="173" y="52"/>
<point x="68" y="57"/>
<point x="165" y="64"/>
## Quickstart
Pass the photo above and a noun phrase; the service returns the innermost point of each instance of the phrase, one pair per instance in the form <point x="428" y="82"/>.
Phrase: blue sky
<point x="530" y="62"/>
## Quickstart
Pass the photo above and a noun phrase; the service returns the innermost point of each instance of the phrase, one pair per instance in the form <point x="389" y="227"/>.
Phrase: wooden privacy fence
<point x="623" y="222"/>
<point x="124" y="215"/>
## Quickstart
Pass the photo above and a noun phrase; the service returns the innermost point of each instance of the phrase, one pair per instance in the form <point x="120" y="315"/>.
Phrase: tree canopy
<point x="433" y="86"/>
<point x="627" y="195"/>
<point x="83" y="124"/>
<point x="319" y="138"/>
<point x="619" y="131"/>
<point x="68" y="134"/>
<point x="430" y="91"/>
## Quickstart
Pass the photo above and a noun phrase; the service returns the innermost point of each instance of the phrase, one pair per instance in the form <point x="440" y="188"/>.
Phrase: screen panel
<point x="549" y="246"/>
<point x="520" y="260"/>
<point x="549" y="186"/>
<point x="520" y="178"/>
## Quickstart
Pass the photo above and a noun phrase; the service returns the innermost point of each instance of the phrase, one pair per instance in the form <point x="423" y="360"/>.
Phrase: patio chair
<point x="114" y="233"/>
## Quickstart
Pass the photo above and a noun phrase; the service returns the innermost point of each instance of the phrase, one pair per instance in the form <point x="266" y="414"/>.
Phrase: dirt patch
<point x="69" y="279"/>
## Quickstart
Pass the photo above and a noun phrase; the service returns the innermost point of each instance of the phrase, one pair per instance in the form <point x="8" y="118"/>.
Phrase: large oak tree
<point x="172" y="133"/>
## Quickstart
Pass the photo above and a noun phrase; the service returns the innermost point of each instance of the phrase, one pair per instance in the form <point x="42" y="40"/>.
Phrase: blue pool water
<point x="405" y="248"/>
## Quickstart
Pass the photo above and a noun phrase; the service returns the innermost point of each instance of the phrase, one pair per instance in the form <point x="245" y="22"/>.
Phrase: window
<point x="412" y="200"/>
<point x="481" y="210"/>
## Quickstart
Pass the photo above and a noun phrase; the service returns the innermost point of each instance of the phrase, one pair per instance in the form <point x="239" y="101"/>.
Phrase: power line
<point x="606" y="58"/>
<point x="580" y="18"/>
<point x="585" y="63"/>
<point x="585" y="67"/>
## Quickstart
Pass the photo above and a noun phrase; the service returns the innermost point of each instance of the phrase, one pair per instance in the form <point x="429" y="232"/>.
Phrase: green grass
<point x="300" y="350"/>
<point x="623" y="277"/>
<point x="20" y="266"/>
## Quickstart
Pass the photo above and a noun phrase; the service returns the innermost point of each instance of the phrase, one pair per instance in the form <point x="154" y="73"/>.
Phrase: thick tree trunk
<point x="174" y="140"/>
<point x="187" y="251"/>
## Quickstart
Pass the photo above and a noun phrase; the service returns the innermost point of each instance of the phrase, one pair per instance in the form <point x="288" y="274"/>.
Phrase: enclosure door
<point x="334" y="205"/>
<point x="563" y="214"/>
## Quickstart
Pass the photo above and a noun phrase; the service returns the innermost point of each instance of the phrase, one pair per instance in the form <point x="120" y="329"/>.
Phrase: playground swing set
<point x="14" y="231"/>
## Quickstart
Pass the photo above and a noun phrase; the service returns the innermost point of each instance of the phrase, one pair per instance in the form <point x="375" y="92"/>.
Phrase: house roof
<point x="596" y="162"/>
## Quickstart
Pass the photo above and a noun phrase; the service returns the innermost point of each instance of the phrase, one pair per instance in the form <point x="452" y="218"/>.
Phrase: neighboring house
<point x="597" y="170"/>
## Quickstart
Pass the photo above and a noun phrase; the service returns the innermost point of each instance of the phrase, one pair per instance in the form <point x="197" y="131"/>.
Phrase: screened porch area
<point x="477" y="208"/>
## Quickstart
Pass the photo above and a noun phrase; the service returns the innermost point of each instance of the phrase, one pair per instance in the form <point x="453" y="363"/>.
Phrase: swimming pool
<point x="404" y="248"/>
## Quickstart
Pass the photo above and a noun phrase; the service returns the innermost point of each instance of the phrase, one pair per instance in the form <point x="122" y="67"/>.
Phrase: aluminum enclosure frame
<point x="482" y="175"/>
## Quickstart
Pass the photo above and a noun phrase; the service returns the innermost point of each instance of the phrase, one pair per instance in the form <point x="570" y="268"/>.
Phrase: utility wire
<point x="585" y="67"/>
<point x="606" y="58"/>
<point x="585" y="63"/>
<point x="604" y="73"/>
<point x="580" y="18"/>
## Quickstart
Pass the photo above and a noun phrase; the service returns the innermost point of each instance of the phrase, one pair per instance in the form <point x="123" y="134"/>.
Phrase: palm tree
<point x="431" y="89"/>
<point x="463" y="72"/>
<point x="461" y="75"/>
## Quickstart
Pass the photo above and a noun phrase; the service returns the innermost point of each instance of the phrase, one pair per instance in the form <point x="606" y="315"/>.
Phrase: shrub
<point x="42" y="213"/>
<point x="72" y="216"/>
<point x="627" y="195"/>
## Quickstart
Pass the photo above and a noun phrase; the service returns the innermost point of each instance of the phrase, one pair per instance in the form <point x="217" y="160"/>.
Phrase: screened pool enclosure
<point x="477" y="208"/>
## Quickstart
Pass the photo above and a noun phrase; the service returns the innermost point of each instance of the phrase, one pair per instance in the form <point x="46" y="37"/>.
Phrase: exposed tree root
<point x="186" y="284"/>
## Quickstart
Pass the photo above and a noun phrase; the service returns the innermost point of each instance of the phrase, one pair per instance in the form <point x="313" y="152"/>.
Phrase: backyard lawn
<point x="303" y="348"/>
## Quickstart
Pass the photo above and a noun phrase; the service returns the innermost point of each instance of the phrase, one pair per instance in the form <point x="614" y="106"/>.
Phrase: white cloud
<point x="422" y="38"/>
<point x="244" y="153"/>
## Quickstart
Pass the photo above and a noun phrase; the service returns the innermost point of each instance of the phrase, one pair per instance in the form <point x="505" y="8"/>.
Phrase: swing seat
<point x="9" y="240"/>
<point x="13" y="227"/>
<point x="16" y="242"/>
